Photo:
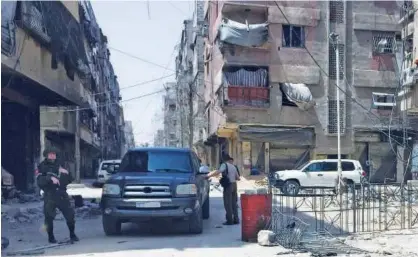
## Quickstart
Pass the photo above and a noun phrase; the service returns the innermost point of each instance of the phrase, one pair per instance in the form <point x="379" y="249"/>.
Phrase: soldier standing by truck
<point x="230" y="176"/>
<point x="53" y="180"/>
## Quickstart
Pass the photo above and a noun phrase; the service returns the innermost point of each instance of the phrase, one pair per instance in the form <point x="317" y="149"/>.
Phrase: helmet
<point x="49" y="150"/>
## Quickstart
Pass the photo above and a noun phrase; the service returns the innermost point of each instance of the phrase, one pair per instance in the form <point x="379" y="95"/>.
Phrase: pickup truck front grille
<point x="147" y="191"/>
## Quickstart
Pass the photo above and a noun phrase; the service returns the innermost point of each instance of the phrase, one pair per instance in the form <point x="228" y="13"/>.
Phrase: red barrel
<point x="256" y="215"/>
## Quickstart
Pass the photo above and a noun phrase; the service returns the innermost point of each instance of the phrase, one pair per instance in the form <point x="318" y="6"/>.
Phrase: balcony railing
<point x="258" y="97"/>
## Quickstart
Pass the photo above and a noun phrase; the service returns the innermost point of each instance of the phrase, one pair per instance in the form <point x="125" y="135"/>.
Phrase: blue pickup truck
<point x="153" y="184"/>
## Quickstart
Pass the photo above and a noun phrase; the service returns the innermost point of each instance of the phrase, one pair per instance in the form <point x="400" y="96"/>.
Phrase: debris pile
<point x="262" y="183"/>
<point x="22" y="215"/>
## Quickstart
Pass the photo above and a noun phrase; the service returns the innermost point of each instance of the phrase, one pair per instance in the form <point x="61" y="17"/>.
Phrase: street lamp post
<point x="334" y="38"/>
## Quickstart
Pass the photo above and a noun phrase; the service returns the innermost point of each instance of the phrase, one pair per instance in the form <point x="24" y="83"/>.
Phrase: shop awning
<point x="302" y="136"/>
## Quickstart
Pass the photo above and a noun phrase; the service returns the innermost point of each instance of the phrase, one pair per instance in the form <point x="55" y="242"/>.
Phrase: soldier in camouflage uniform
<point x="53" y="180"/>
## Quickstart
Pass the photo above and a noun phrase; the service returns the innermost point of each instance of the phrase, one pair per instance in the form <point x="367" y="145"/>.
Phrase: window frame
<point x="383" y="105"/>
<point x="331" y="163"/>
<point x="348" y="162"/>
<point x="302" y="36"/>
<point x="314" y="163"/>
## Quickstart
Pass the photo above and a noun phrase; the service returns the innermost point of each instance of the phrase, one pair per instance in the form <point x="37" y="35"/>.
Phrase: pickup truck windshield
<point x="158" y="161"/>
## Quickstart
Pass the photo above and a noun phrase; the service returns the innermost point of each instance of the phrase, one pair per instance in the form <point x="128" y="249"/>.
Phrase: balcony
<point x="246" y="86"/>
<point x="258" y="97"/>
<point x="244" y="25"/>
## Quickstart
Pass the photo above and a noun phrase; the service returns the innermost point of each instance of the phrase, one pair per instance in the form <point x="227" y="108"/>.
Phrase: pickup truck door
<point x="201" y="182"/>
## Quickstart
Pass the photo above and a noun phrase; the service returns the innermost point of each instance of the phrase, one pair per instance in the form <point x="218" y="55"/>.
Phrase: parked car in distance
<point x="106" y="169"/>
<point x="318" y="174"/>
<point x="156" y="184"/>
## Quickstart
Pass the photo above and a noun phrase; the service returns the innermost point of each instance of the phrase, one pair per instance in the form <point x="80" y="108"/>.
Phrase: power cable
<point x="135" y="85"/>
<point x="112" y="103"/>
<point x="138" y="58"/>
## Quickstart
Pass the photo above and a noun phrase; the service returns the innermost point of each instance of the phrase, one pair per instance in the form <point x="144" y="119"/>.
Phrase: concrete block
<point x="266" y="238"/>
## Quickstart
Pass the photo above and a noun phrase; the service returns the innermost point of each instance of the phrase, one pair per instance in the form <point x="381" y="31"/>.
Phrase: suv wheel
<point x="111" y="227"/>
<point x="291" y="187"/>
<point x="206" y="209"/>
<point x="196" y="223"/>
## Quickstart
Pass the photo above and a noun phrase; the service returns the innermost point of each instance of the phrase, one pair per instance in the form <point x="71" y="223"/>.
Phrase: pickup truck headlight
<point x="187" y="189"/>
<point x="111" y="189"/>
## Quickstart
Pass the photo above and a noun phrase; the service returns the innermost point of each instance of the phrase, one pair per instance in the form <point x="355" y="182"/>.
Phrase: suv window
<point x="347" y="166"/>
<point x="156" y="161"/>
<point x="317" y="166"/>
<point x="112" y="167"/>
<point x="330" y="166"/>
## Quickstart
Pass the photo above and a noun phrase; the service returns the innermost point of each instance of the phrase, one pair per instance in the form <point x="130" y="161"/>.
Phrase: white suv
<point x="318" y="173"/>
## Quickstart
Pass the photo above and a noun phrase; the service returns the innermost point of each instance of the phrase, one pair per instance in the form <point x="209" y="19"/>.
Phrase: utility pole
<point x="191" y="111"/>
<point x="334" y="37"/>
<point x="77" y="145"/>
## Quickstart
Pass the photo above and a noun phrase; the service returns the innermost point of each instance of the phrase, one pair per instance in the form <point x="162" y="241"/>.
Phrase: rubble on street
<point x="18" y="214"/>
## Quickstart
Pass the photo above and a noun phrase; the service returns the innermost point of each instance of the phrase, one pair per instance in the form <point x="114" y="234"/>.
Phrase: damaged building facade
<point x="171" y="113"/>
<point x="55" y="62"/>
<point x="190" y="81"/>
<point x="270" y="74"/>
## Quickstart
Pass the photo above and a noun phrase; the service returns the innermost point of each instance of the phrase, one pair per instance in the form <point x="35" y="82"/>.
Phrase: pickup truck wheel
<point x="196" y="223"/>
<point x="291" y="187"/>
<point x="111" y="226"/>
<point x="206" y="209"/>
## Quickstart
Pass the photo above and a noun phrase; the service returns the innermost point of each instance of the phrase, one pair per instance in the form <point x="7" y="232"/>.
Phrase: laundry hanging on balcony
<point x="8" y="11"/>
<point x="249" y="35"/>
<point x="298" y="94"/>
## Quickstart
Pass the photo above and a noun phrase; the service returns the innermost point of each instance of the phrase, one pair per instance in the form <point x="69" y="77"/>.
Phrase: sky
<point x="143" y="30"/>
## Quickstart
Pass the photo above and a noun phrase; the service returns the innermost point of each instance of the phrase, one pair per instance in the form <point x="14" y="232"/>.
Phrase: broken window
<point x="383" y="101"/>
<point x="172" y="136"/>
<point x="285" y="99"/>
<point x="333" y="61"/>
<point x="296" y="95"/>
<point x="332" y="117"/>
<point x="172" y="107"/>
<point x="336" y="11"/>
<point x="293" y="36"/>
<point x="384" y="42"/>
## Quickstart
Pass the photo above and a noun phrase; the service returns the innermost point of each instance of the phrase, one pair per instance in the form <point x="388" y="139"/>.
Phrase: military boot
<point x="50" y="231"/>
<point x="73" y="236"/>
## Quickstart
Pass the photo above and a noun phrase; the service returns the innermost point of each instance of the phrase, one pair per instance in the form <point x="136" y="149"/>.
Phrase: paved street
<point x="143" y="240"/>
<point x="163" y="240"/>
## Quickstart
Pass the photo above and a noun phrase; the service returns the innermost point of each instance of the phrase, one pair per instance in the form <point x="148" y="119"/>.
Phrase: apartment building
<point x="159" y="138"/>
<point x="55" y="59"/>
<point x="270" y="74"/>
<point x="129" y="136"/>
<point x="407" y="95"/>
<point x="171" y="112"/>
